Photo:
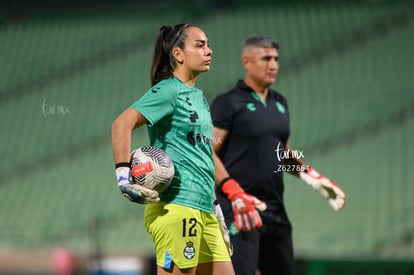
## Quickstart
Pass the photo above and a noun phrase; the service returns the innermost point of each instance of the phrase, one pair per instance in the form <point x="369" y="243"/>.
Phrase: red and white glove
<point x="246" y="217"/>
<point x="327" y="188"/>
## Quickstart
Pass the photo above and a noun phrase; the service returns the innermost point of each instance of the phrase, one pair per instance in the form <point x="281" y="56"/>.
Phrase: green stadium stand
<point x="379" y="206"/>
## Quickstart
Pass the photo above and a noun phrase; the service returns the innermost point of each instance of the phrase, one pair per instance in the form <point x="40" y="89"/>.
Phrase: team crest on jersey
<point x="189" y="250"/>
<point x="250" y="106"/>
<point x="280" y="107"/>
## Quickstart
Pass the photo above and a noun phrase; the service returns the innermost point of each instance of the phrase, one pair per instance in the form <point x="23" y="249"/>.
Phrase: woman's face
<point x="196" y="54"/>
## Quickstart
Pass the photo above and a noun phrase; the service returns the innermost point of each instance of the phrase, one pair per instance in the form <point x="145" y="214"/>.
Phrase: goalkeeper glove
<point x="132" y="191"/>
<point x="246" y="217"/>
<point x="223" y="227"/>
<point x="327" y="188"/>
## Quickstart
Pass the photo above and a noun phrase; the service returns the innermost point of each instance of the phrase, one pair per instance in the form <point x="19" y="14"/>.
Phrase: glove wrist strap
<point x="231" y="188"/>
<point x="123" y="175"/>
<point x="220" y="184"/>
<point x="122" y="164"/>
<point x="313" y="173"/>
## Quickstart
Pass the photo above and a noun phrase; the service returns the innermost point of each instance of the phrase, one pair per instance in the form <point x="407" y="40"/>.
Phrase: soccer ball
<point x="152" y="168"/>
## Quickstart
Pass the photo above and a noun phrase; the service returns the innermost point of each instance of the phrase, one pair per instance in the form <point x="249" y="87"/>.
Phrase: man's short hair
<point x="261" y="42"/>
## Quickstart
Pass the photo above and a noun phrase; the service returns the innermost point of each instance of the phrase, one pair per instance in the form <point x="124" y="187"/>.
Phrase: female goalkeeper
<point x="181" y="221"/>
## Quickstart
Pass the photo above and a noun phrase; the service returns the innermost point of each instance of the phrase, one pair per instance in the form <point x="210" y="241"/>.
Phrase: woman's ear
<point x="177" y="53"/>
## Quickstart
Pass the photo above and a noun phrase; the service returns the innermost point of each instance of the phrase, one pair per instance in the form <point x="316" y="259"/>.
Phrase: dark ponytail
<point x="163" y="62"/>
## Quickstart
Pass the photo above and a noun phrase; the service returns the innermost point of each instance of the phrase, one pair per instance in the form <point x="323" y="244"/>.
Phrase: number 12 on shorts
<point x="189" y="227"/>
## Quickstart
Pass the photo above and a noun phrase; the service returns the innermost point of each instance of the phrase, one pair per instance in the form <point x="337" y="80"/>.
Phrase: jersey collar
<point x="242" y="85"/>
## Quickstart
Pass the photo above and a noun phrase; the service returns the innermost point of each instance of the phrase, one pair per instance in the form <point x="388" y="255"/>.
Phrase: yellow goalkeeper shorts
<point x="184" y="236"/>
